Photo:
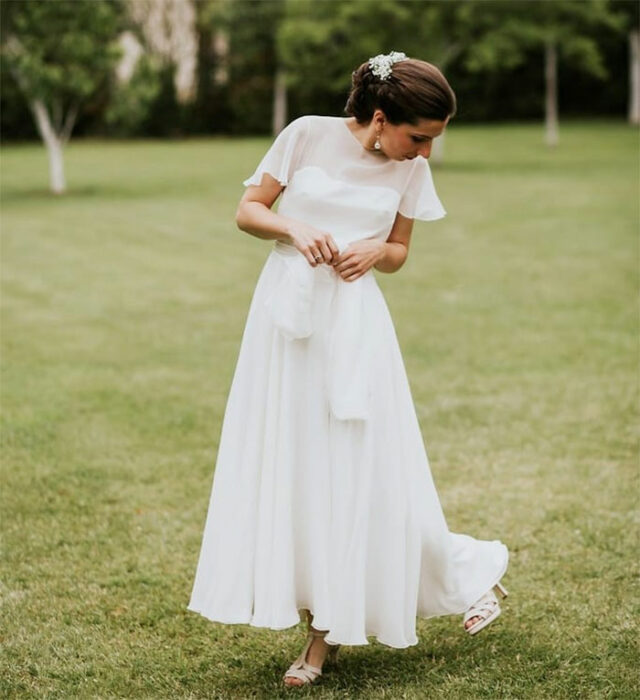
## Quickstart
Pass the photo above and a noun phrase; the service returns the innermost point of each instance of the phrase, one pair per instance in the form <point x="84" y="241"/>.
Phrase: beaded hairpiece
<point x="381" y="64"/>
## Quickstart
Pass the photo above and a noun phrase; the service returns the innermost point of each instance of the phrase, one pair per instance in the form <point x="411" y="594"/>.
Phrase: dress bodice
<point x="336" y="185"/>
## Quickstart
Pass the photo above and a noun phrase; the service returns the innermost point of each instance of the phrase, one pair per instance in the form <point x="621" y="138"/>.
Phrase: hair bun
<point x="405" y="89"/>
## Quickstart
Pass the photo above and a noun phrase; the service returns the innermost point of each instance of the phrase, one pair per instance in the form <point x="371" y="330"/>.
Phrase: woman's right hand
<point x="312" y="242"/>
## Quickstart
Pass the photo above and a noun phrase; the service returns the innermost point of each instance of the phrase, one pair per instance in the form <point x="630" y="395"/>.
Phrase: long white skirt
<point x="322" y="494"/>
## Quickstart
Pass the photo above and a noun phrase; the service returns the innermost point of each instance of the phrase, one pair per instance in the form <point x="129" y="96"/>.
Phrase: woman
<point x="322" y="499"/>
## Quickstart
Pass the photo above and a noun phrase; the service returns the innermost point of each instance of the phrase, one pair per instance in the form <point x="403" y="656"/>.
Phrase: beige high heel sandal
<point x="300" y="668"/>
<point x="486" y="608"/>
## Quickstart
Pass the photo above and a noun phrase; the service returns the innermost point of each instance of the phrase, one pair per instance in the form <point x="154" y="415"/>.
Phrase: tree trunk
<point x="131" y="52"/>
<point x="221" y="53"/>
<point x="184" y="48"/>
<point x="279" y="102"/>
<point x="634" y="76"/>
<point x="437" y="150"/>
<point x="551" y="90"/>
<point x="169" y="28"/>
<point x="54" y="146"/>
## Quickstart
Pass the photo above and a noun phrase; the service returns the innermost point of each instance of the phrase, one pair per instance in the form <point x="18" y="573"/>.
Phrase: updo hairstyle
<point x="415" y="90"/>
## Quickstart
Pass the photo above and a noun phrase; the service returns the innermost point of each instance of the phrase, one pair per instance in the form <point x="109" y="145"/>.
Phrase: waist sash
<point x="347" y="375"/>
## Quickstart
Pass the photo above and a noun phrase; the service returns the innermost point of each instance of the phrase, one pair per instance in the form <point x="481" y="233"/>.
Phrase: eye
<point x="420" y="139"/>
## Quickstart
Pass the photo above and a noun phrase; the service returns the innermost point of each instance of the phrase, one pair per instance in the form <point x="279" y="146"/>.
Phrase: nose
<point x="425" y="149"/>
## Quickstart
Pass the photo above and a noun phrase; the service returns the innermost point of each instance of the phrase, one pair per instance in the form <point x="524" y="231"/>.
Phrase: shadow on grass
<point x="179" y="189"/>
<point x="433" y="666"/>
<point x="163" y="186"/>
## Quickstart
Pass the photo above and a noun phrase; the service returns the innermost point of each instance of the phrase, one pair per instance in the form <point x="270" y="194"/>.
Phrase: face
<point x="406" y="141"/>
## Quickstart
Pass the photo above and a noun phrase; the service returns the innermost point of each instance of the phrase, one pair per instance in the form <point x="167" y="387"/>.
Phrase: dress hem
<point x="242" y="619"/>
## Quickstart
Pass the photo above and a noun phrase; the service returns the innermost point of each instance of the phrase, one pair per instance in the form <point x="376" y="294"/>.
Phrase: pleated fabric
<point x="322" y="495"/>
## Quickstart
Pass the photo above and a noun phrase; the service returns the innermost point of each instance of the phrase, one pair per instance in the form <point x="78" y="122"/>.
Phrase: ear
<point x="379" y="115"/>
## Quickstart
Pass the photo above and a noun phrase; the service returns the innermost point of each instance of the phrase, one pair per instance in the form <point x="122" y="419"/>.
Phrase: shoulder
<point x="311" y="123"/>
<point x="313" y="119"/>
<point x="303" y="123"/>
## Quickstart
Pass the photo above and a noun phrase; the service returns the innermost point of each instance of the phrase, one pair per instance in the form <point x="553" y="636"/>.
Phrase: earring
<point x="376" y="145"/>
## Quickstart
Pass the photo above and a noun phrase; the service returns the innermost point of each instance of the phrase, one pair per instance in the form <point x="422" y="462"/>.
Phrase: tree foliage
<point x="60" y="51"/>
<point x="506" y="33"/>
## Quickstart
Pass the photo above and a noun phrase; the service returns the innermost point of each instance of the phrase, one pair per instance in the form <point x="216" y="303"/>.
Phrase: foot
<point x="315" y="656"/>
<point x="481" y="613"/>
<point x="471" y="621"/>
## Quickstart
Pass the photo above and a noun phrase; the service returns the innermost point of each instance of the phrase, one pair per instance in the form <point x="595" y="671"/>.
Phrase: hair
<point x="415" y="90"/>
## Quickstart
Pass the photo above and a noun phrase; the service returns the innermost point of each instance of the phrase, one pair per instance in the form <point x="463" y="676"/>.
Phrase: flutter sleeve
<point x="419" y="199"/>
<point x="285" y="153"/>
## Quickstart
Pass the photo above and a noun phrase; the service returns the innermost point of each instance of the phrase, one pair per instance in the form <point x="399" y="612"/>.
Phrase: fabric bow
<point x="291" y="304"/>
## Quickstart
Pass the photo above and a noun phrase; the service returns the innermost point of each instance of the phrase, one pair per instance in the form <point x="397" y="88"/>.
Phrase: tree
<point x="630" y="9"/>
<point x="251" y="60"/>
<point x="60" y="53"/>
<point x="169" y="29"/>
<point x="507" y="32"/>
<point x="345" y="34"/>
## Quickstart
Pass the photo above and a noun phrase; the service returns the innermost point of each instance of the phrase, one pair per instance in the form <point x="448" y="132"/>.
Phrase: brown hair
<point x="415" y="90"/>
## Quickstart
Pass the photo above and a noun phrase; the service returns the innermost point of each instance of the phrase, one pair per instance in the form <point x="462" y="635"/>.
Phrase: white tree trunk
<point x="131" y="52"/>
<point x="184" y="48"/>
<point x="54" y="144"/>
<point x="551" y="93"/>
<point x="437" y="150"/>
<point x="279" y="102"/>
<point x="634" y="76"/>
<point x="169" y="28"/>
<point x="221" y="51"/>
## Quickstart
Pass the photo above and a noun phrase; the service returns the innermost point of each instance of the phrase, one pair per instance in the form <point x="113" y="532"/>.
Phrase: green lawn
<point x="123" y="305"/>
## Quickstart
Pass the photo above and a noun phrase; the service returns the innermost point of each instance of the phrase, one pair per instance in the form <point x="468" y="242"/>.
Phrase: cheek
<point x="404" y="144"/>
<point x="410" y="145"/>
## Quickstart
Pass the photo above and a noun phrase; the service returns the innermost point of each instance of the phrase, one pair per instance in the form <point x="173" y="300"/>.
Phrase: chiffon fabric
<point x="322" y="494"/>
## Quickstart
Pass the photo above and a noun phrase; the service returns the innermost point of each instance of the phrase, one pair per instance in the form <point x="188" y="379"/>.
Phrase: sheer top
<point x="333" y="183"/>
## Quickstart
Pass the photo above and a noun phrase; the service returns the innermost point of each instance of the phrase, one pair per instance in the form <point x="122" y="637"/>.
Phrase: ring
<point x="318" y="257"/>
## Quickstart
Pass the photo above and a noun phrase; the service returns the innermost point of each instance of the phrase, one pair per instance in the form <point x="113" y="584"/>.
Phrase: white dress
<point x="322" y="494"/>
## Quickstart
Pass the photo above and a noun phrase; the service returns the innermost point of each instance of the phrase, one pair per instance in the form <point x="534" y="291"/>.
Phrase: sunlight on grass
<point x="123" y="307"/>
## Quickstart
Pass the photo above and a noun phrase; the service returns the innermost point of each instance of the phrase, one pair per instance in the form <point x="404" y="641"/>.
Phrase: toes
<point x="292" y="681"/>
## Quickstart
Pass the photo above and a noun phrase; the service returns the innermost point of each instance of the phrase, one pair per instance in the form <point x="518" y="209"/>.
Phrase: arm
<point x="254" y="216"/>
<point x="386" y="256"/>
<point x="396" y="248"/>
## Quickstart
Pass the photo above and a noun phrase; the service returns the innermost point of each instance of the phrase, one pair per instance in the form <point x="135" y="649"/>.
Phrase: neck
<point x="365" y="134"/>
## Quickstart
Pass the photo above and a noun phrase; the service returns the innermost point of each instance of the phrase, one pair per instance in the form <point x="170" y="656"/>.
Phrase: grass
<point x="123" y="307"/>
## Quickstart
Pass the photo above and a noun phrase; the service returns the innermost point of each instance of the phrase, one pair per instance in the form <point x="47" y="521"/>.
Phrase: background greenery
<point x="123" y="308"/>
<point x="490" y="50"/>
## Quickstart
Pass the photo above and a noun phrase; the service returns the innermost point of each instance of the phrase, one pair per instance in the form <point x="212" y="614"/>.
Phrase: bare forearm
<point x="258" y="220"/>
<point x="393" y="256"/>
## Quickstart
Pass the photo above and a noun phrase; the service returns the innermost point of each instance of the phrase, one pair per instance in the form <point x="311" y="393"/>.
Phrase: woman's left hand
<point x="359" y="257"/>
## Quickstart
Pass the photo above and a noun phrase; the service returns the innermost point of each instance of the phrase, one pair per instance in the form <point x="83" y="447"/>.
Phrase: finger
<point x="318" y="257"/>
<point x="352" y="277"/>
<point x="337" y="258"/>
<point x="346" y="265"/>
<point x="325" y="251"/>
<point x="309" y="255"/>
<point x="333" y="247"/>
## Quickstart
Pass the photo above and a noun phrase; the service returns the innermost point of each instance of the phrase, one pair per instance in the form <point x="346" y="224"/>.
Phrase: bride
<point x="323" y="501"/>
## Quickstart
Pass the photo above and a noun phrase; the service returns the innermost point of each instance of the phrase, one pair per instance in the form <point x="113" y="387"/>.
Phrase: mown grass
<point x="123" y="306"/>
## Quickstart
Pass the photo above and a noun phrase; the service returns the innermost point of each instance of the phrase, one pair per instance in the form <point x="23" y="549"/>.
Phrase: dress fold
<point x="322" y="496"/>
<point x="310" y="510"/>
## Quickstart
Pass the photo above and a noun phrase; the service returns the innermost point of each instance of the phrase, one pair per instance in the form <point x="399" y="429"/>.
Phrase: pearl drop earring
<point x="376" y="145"/>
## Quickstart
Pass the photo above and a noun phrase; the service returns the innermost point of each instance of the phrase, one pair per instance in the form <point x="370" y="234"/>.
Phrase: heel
<point x="501" y="590"/>
<point x="332" y="654"/>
